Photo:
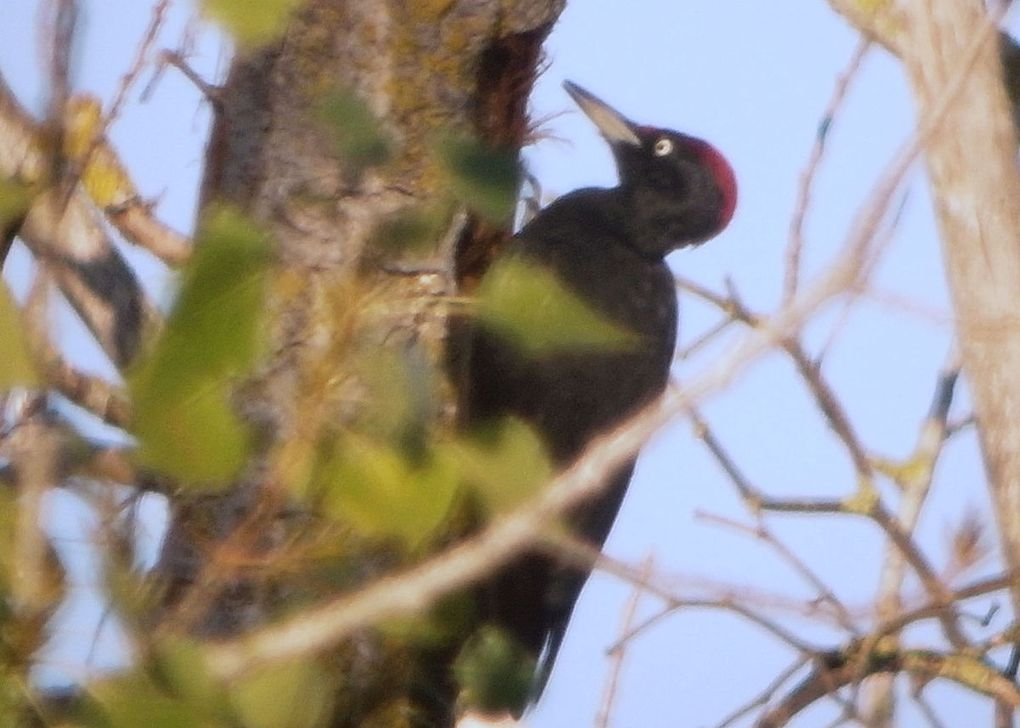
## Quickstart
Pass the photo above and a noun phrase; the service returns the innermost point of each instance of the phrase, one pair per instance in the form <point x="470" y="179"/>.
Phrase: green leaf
<point x="381" y="492"/>
<point x="8" y="553"/>
<point x="358" y="135"/>
<point x="15" y="199"/>
<point x="527" y="303"/>
<point x="495" y="673"/>
<point x="182" y="668"/>
<point x="412" y="230"/>
<point x="196" y="438"/>
<point x="506" y="463"/>
<point x="183" y="418"/>
<point x="252" y="23"/>
<point x="16" y="368"/>
<point x="131" y="699"/>
<point x="483" y="178"/>
<point x="292" y="695"/>
<point x="400" y="389"/>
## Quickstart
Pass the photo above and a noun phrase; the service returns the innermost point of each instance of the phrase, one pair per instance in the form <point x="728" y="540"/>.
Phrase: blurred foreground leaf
<point x="412" y="230"/>
<point x="181" y="393"/>
<point x="251" y="22"/>
<point x="400" y="388"/>
<point x="296" y="694"/>
<point x="505" y="461"/>
<point x="494" y="672"/>
<point x="483" y="178"/>
<point x="528" y="304"/>
<point x="358" y="134"/>
<point x="102" y="173"/>
<point x="16" y="368"/>
<point x="132" y="699"/>
<point x="182" y="667"/>
<point x="15" y="199"/>
<point x="381" y="492"/>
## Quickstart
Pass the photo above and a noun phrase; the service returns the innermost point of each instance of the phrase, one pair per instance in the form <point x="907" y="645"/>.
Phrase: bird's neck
<point x="605" y="209"/>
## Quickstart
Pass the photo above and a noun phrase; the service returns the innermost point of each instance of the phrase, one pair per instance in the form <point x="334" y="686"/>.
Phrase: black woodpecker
<point x="607" y="246"/>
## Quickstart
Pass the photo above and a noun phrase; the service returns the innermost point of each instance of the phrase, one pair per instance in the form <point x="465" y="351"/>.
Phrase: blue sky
<point x="752" y="78"/>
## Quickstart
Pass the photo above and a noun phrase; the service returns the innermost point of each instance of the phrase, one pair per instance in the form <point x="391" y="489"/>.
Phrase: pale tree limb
<point x="975" y="183"/>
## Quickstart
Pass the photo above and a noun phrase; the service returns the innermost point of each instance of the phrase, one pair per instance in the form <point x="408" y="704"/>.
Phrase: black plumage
<point x="606" y="246"/>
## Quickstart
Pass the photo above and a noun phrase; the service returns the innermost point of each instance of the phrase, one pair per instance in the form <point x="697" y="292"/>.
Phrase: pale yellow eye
<point x="662" y="147"/>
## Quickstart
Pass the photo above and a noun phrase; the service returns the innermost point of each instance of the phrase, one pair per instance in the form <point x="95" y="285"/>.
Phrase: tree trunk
<point x="422" y="69"/>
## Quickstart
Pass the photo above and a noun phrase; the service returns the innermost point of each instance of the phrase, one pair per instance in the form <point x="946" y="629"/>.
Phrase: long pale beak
<point x="613" y="126"/>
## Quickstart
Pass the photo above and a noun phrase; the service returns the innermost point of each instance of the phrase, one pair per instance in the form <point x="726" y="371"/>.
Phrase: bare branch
<point x="604" y="717"/>
<point x="836" y="670"/>
<point x="824" y="395"/>
<point x="763" y="698"/>
<point x="795" y="244"/>
<point x="825" y="594"/>
<point x="156" y="21"/>
<point x="864" y="503"/>
<point x="134" y="220"/>
<point x="66" y="236"/>
<point x="177" y="60"/>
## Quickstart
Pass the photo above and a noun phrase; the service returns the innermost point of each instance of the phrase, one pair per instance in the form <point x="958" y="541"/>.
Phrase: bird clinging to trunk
<point x="607" y="247"/>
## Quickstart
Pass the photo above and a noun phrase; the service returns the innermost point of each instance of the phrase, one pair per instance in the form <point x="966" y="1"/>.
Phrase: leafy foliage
<point x="183" y="417"/>
<point x="530" y="306"/>
<point x="15" y="199"/>
<point x="411" y="230"/>
<point x="382" y="492"/>
<point x="483" y="178"/>
<point x="296" y="694"/>
<point x="494" y="672"/>
<point x="506" y="463"/>
<point x="357" y="133"/>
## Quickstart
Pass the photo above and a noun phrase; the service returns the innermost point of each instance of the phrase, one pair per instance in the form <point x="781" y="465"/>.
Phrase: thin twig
<point x="176" y="59"/>
<point x="130" y="76"/>
<point x="795" y="244"/>
<point x="807" y="367"/>
<point x="604" y="717"/>
<point x="926" y="710"/>
<point x="763" y="698"/>
<point x="865" y="503"/>
<point x="854" y="294"/>
<point x="761" y="531"/>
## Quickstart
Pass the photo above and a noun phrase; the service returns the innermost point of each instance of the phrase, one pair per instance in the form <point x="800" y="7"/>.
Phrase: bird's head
<point x="678" y="189"/>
